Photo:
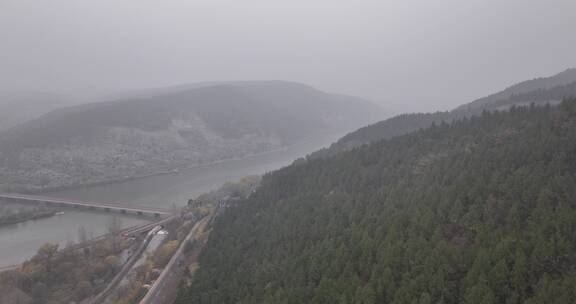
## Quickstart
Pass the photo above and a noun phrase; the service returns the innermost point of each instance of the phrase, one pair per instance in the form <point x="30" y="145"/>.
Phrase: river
<point x="20" y="242"/>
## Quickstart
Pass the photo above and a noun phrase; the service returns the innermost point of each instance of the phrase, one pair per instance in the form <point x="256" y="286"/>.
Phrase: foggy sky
<point x="406" y="54"/>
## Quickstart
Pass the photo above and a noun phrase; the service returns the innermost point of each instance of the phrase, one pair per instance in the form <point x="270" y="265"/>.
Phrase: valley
<point x="287" y="152"/>
<point x="179" y="128"/>
<point x="21" y="241"/>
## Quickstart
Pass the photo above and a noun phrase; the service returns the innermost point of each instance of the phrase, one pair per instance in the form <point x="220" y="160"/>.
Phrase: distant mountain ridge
<point x="560" y="79"/>
<point x="170" y="128"/>
<point x="21" y="106"/>
<point x="538" y="91"/>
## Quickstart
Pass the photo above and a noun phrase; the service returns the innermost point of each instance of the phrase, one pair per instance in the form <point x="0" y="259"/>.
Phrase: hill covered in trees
<point x="543" y="83"/>
<point x="481" y="210"/>
<point x="539" y="91"/>
<point x="166" y="129"/>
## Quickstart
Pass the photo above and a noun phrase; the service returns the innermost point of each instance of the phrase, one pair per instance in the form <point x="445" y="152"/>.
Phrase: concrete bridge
<point x="109" y="207"/>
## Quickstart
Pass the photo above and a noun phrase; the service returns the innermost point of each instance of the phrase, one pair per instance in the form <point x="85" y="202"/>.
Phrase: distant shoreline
<point x="163" y="172"/>
<point x="173" y="170"/>
<point x="34" y="216"/>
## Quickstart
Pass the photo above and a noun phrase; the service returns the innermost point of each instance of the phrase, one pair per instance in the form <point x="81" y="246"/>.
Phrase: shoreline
<point x="277" y="157"/>
<point x="37" y="216"/>
<point x="171" y="170"/>
<point x="163" y="172"/>
<point x="177" y="168"/>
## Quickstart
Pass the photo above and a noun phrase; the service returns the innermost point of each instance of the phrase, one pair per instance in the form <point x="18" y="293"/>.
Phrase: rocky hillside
<point x="168" y="129"/>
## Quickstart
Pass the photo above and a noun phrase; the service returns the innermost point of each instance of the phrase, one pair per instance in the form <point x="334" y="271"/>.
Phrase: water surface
<point x="20" y="242"/>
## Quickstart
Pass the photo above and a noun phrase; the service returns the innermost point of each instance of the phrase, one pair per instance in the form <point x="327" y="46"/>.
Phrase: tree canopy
<point x="481" y="210"/>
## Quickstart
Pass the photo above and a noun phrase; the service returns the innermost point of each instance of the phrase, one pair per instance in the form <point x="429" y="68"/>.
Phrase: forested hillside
<point x="482" y="210"/>
<point x="539" y="96"/>
<point x="171" y="128"/>
<point x="543" y="83"/>
<point x="539" y="91"/>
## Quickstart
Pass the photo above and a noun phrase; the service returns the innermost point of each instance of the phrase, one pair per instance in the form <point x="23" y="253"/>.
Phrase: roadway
<point x="127" y="232"/>
<point x="152" y="229"/>
<point x="123" y="208"/>
<point x="165" y="288"/>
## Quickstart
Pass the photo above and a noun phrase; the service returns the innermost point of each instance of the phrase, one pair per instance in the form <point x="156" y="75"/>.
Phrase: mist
<point x="418" y="55"/>
<point x="297" y="151"/>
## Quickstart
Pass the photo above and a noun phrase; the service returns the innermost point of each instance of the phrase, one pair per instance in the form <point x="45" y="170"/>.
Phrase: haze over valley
<point x="164" y="131"/>
<point x="287" y="152"/>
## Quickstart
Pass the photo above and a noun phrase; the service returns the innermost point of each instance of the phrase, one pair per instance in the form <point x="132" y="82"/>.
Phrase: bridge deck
<point x="99" y="205"/>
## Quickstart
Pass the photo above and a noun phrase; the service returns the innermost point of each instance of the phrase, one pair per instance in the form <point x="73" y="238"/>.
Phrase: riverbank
<point x="81" y="272"/>
<point x="20" y="242"/>
<point x="165" y="171"/>
<point x="24" y="216"/>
